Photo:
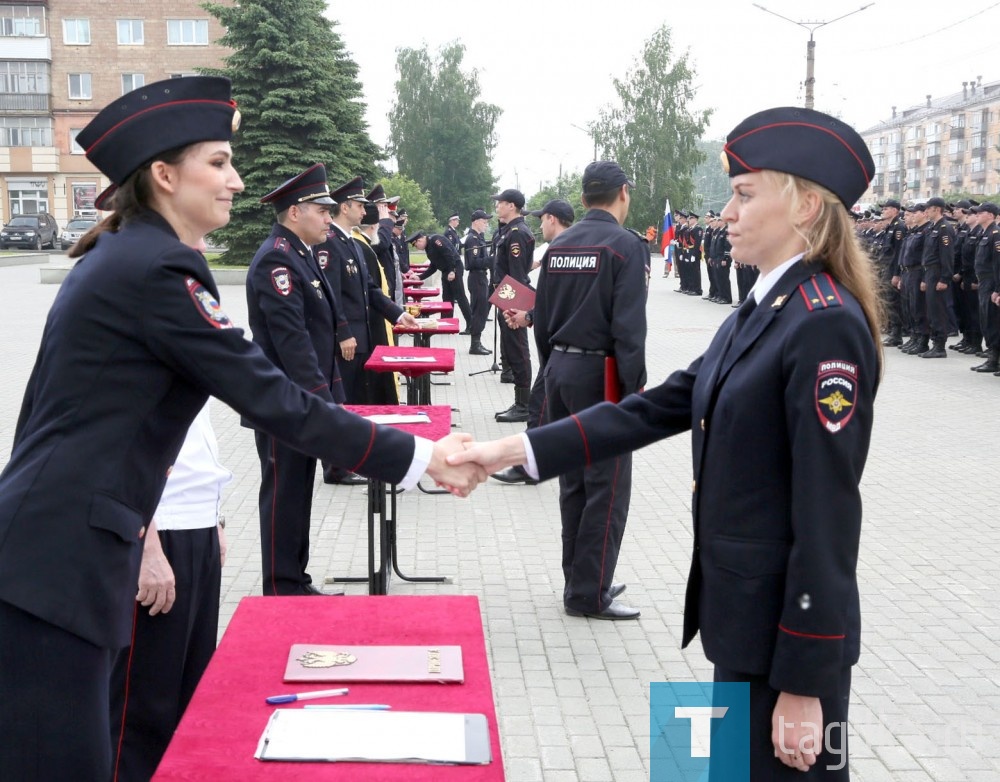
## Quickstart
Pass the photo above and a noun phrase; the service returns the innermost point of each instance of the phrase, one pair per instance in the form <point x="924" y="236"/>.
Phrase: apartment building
<point x="944" y="145"/>
<point x="61" y="61"/>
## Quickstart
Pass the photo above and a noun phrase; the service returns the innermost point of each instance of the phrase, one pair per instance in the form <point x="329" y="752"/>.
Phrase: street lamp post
<point x="811" y="45"/>
<point x="590" y="132"/>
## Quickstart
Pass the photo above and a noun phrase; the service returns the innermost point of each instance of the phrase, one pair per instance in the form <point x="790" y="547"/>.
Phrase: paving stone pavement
<point x="572" y="694"/>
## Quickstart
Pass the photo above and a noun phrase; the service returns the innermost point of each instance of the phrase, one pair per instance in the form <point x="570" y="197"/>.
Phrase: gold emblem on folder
<point x="506" y="292"/>
<point x="326" y="659"/>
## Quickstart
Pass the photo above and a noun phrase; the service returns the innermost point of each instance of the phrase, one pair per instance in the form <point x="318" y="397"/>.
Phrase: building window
<point x="21" y="21"/>
<point x="24" y="77"/>
<point x="79" y="86"/>
<point x="132" y="81"/>
<point x="74" y="147"/>
<point x="28" y="197"/>
<point x="130" y="32"/>
<point x="76" y="32"/>
<point x="955" y="146"/>
<point x="25" y="131"/>
<point x="958" y="121"/>
<point x="187" y="32"/>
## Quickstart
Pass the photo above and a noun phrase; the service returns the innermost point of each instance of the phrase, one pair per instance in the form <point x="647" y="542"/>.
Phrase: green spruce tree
<point x="298" y="92"/>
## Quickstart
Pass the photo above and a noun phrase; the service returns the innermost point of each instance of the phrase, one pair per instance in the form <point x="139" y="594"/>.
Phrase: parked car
<point x="32" y="232"/>
<point x="74" y="229"/>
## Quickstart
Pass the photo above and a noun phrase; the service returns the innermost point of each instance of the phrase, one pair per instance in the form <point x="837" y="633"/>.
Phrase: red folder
<point x="513" y="295"/>
<point x="612" y="389"/>
<point x="319" y="663"/>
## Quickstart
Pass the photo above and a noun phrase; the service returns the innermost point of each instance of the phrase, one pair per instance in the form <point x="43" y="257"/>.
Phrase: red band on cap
<point x="230" y="104"/>
<point x="803" y="125"/>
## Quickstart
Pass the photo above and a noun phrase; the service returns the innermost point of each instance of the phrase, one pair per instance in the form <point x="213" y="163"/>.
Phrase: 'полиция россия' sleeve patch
<point x="836" y="393"/>
<point x="207" y="305"/>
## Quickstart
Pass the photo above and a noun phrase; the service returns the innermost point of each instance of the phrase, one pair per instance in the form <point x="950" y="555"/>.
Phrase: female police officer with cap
<point x="133" y="345"/>
<point x="780" y="413"/>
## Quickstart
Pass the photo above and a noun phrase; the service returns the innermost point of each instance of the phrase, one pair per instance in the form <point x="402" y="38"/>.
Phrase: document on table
<point x="399" y="418"/>
<point x="376" y="736"/>
<point x="408" y="359"/>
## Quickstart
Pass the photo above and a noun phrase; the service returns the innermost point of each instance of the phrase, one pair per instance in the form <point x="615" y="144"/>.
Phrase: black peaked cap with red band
<point x="803" y="142"/>
<point x="164" y="115"/>
<point x="308" y="187"/>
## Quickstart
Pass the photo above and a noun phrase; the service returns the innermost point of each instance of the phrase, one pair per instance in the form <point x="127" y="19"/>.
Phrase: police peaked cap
<point x="308" y="187"/>
<point x="351" y="191"/>
<point x="805" y="143"/>
<point x="417" y="235"/>
<point x="168" y="114"/>
<point x="377" y="195"/>
<point x="454" y="216"/>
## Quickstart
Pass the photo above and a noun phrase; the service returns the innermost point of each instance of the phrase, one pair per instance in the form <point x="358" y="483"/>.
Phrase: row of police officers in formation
<point x="938" y="264"/>
<point x="693" y="244"/>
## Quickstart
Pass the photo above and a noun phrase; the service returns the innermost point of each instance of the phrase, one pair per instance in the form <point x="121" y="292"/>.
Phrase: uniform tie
<point x="742" y="314"/>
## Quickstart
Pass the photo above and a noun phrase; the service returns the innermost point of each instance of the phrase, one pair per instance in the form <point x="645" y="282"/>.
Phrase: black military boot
<point x="908" y="344"/>
<point x="960" y="345"/>
<point x="919" y="346"/>
<point x="935" y="351"/>
<point x="992" y="363"/>
<point x="478" y="349"/>
<point x="518" y="412"/>
<point x="973" y="346"/>
<point x="507" y="375"/>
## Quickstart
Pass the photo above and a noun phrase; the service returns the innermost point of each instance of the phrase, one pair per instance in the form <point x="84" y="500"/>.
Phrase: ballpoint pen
<point x="349" y="706"/>
<point x="302" y="696"/>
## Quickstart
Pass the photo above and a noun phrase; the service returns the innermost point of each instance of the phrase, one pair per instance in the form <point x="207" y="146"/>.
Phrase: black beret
<point x="805" y="143"/>
<point x="602" y="176"/>
<point x="558" y="208"/>
<point x="163" y="115"/>
<point x="308" y="187"/>
<point x="515" y="197"/>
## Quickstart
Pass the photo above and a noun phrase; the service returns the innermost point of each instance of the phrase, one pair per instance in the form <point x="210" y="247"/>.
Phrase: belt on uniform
<point x="582" y="351"/>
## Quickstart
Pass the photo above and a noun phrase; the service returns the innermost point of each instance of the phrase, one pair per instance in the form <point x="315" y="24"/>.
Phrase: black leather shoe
<point x="465" y="333"/>
<point x="479" y="350"/>
<point x="345" y="479"/>
<point x="937" y="352"/>
<point x="614" y="612"/>
<point x="507" y="377"/>
<point x="892" y="342"/>
<point x="616" y="589"/>
<point x="515" y="475"/>
<point x="309" y="589"/>
<point x="988" y="366"/>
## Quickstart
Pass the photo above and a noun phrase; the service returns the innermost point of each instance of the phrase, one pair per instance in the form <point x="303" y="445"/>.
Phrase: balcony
<point x="957" y="132"/>
<point x="979" y="152"/>
<point x="978" y="176"/>
<point x="913" y="162"/>
<point x="934" y="160"/>
<point x="24" y="103"/>
<point x="955" y="179"/>
<point x="933" y="182"/>
<point x="878" y="190"/>
<point x="913" y="184"/>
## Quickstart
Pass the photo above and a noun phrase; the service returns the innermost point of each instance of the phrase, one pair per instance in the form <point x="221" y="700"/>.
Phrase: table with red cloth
<point x="218" y="735"/>
<point x="383" y="555"/>
<point x="422" y="334"/>
<point x="435" y="307"/>
<point x="420" y="293"/>
<point x="417" y="373"/>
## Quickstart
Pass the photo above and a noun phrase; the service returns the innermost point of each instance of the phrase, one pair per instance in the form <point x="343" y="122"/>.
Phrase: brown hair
<point x="131" y="198"/>
<point x="832" y="243"/>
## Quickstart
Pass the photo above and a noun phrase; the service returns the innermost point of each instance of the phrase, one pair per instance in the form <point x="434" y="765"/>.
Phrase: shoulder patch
<point x="281" y="279"/>
<point x="437" y="242"/>
<point x="515" y="249"/>
<point x="323" y="259"/>
<point x="836" y="393"/>
<point x="207" y="305"/>
<point x="820" y="292"/>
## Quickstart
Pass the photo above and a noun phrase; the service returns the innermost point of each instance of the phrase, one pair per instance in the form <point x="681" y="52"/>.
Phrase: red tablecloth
<point x="444" y="360"/>
<point x="444" y="326"/>
<point x="218" y="734"/>
<point x="427" y="307"/>
<point x="421" y="293"/>
<point x="440" y="415"/>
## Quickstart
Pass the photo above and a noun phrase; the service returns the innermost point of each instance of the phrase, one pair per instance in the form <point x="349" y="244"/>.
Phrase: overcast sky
<point x="549" y="64"/>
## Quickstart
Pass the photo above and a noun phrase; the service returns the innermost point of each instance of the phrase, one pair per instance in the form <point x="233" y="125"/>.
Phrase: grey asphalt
<point x="572" y="694"/>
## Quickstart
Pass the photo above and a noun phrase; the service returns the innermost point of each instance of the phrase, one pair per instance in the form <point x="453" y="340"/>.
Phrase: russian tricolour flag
<point x="667" y="236"/>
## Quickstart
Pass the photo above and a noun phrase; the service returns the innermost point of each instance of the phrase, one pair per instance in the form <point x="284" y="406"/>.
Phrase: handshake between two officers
<point x="460" y="464"/>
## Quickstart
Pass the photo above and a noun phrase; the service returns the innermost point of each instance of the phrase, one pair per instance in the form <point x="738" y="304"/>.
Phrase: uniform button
<point x="805" y="602"/>
<point x="694" y="486"/>
<point x="142" y="532"/>
<point x="703" y="424"/>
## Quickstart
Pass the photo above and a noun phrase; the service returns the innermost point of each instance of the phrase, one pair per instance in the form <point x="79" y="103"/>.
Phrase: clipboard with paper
<point x="376" y="737"/>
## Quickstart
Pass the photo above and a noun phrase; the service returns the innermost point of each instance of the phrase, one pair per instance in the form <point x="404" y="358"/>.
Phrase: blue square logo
<point x="695" y="726"/>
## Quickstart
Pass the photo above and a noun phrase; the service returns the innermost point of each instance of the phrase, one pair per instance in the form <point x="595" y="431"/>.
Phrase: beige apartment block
<point x="945" y="145"/>
<point x="61" y="61"/>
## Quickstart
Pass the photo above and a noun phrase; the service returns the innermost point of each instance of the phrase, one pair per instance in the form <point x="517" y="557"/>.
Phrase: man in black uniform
<point x="514" y="255"/>
<point x="451" y="233"/>
<point x="987" y="258"/>
<point x="965" y="295"/>
<point x="888" y="266"/>
<point x="591" y="305"/>
<point x="384" y="247"/>
<point x="399" y="241"/>
<point x="292" y="313"/>
<point x="694" y="237"/>
<point x="356" y="293"/>
<point x="911" y="281"/>
<point x="478" y="262"/>
<point x="938" y="264"/>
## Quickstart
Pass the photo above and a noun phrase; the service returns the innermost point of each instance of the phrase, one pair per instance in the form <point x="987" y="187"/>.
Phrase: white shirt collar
<point x="767" y="281"/>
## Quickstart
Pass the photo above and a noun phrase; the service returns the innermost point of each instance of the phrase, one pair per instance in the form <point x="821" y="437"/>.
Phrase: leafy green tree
<point x="414" y="200"/>
<point x="299" y="95"/>
<point x="440" y="133"/>
<point x="711" y="182"/>
<point x="652" y="133"/>
<point x="568" y="187"/>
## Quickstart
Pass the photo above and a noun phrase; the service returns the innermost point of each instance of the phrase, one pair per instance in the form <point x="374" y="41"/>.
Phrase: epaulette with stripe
<point x="820" y="292"/>
<point x="281" y="243"/>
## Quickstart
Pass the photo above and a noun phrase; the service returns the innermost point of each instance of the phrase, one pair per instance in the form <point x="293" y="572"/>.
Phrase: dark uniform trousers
<point x="177" y="645"/>
<point x="479" y="302"/>
<point x="916" y="300"/>
<point x="516" y="355"/>
<point x="593" y="501"/>
<point x="989" y="313"/>
<point x="936" y="303"/>
<point x="454" y="291"/>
